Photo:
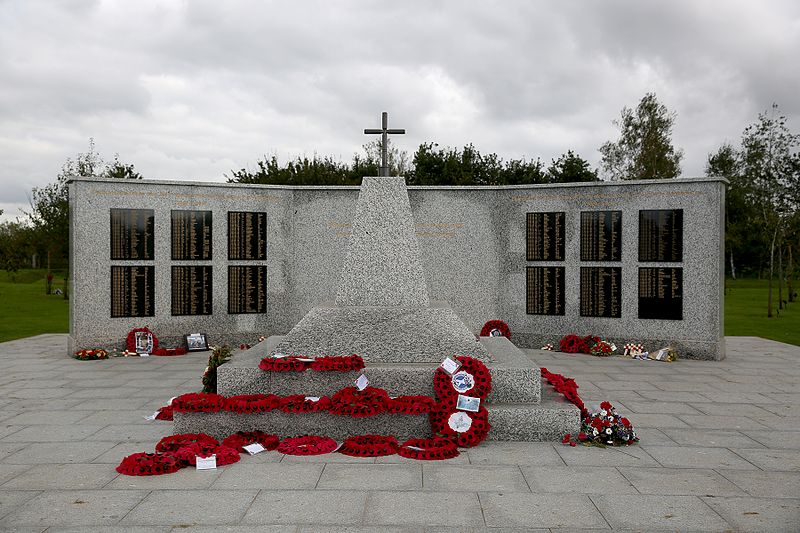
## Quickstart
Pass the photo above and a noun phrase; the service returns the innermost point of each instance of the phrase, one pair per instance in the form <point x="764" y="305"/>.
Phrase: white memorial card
<point x="449" y="366"/>
<point x="206" y="463"/>
<point x="362" y="382"/>
<point x="254" y="448"/>
<point x="144" y="354"/>
<point x="468" y="403"/>
<point x="152" y="417"/>
<point x="459" y="422"/>
<point x="312" y="398"/>
<point x="171" y="400"/>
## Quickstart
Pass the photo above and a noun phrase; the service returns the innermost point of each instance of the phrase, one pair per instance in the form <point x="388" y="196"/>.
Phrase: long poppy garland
<point x="327" y="363"/>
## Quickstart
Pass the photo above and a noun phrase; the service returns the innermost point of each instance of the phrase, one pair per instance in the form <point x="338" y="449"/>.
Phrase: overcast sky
<point x="191" y="90"/>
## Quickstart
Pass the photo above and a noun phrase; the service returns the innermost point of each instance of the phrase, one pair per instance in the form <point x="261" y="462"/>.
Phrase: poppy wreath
<point x="149" y="464"/>
<point x="339" y="363"/>
<point x="570" y="343"/>
<point x="307" y="445"/>
<point x="588" y="342"/>
<point x="172" y="443"/>
<point x="477" y="432"/>
<point x="567" y="387"/>
<point x="498" y="325"/>
<point x="188" y="452"/>
<point x="410" y="405"/>
<point x="164" y="413"/>
<point x="130" y="340"/>
<point x="369" y="446"/>
<point x="352" y="402"/>
<point x="225" y="454"/>
<point x="198" y="402"/>
<point x="297" y="403"/>
<point x="283" y="364"/>
<point x="433" y="449"/>
<point x="240" y="439"/>
<point x="246" y="404"/>
<point x="169" y="351"/>
<point x="91" y="355"/>
<point x="443" y="384"/>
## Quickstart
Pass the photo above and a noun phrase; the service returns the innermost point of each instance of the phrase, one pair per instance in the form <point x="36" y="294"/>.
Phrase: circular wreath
<point x="149" y="464"/>
<point x="410" y="405"/>
<point x="307" y="445"/>
<point x="164" y="413"/>
<point x="172" y="443"/>
<point x="251" y="403"/>
<point x="570" y="343"/>
<point x="240" y="439"/>
<point x="433" y="449"/>
<point x="498" y="325"/>
<point x="198" y="402"/>
<point x="168" y="351"/>
<point x="130" y="340"/>
<point x="476" y="432"/>
<point x="298" y="403"/>
<point x="369" y="446"/>
<point x="338" y="363"/>
<point x="91" y="354"/>
<point x="352" y="402"/>
<point x="588" y="342"/>
<point x="443" y="384"/>
<point x="225" y="454"/>
<point x="290" y="363"/>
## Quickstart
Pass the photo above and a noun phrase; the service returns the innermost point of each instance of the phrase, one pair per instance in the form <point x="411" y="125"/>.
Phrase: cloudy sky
<point x="193" y="89"/>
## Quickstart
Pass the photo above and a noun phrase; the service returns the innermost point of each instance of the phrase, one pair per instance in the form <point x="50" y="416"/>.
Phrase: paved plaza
<point x="719" y="451"/>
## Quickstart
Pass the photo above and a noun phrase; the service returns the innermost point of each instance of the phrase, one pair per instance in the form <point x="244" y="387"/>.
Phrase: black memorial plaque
<point x="601" y="236"/>
<point x="661" y="293"/>
<point x="191" y="235"/>
<point x="661" y="235"/>
<point x="247" y="235"/>
<point x="247" y="289"/>
<point x="545" y="291"/>
<point x="132" y="291"/>
<point x="191" y="290"/>
<point x="132" y="234"/>
<point x="545" y="236"/>
<point x="601" y="291"/>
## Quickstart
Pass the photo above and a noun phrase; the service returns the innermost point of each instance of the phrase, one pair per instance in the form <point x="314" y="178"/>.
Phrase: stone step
<point x="515" y="379"/>
<point x="545" y="421"/>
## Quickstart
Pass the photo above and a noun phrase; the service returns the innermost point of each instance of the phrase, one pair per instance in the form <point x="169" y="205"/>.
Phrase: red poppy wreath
<point x="369" y="446"/>
<point x="492" y="326"/>
<point x="225" y="455"/>
<point x="299" y="403"/>
<point x="338" y="363"/>
<point x="290" y="363"/>
<point x="251" y="403"/>
<point x="307" y="445"/>
<point x="172" y="443"/>
<point x="410" y="405"/>
<point x="352" y="402"/>
<point x="198" y="402"/>
<point x="130" y="340"/>
<point x="471" y="379"/>
<point x="149" y="464"/>
<point x="240" y="439"/>
<point x="433" y="449"/>
<point x="464" y="428"/>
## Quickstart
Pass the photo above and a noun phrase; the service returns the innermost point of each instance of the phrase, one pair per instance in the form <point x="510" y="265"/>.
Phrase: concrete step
<point x="515" y="378"/>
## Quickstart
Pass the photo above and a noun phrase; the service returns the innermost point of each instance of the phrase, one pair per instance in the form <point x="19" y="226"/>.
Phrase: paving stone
<point x="721" y="422"/>
<point x="118" y="451"/>
<point x="730" y="409"/>
<point x="634" y="455"/>
<point x="423" y="508"/>
<point x="110" y="529"/>
<point x="789" y="440"/>
<point x="184" y="479"/>
<point x="75" y="508"/>
<point x="10" y="500"/>
<point x="542" y="510"/>
<point x="50" y="433"/>
<point x="362" y="529"/>
<point x="577" y="479"/>
<point x="107" y="418"/>
<point x="325" y="458"/>
<point x="58" y="452"/>
<point x="649" y="513"/>
<point x="177" y="507"/>
<point x="514" y="453"/>
<point x="68" y="476"/>
<point x="677" y="408"/>
<point x="780" y="460"/>
<point x="341" y="507"/>
<point x="766" y="484"/>
<point x="133" y="432"/>
<point x="273" y="476"/>
<point x="461" y="459"/>
<point x="49" y="417"/>
<point x="185" y="528"/>
<point x="472" y="478"/>
<point x="751" y="514"/>
<point x="372" y="477"/>
<point x="698" y="457"/>
<point x="659" y="421"/>
<point x="713" y="438"/>
<point x="680" y="481"/>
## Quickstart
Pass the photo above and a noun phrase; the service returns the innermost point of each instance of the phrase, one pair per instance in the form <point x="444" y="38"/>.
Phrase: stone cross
<point x="384" y="131"/>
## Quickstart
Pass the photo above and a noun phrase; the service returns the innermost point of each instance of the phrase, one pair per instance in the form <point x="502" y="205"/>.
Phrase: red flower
<point x="606" y="406"/>
<point x="582" y="436"/>
<point x="625" y="422"/>
<point x="566" y="438"/>
<point x="570" y="343"/>
<point x="499" y="325"/>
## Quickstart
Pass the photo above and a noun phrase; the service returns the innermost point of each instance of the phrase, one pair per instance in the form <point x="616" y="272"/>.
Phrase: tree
<point x="644" y="149"/>
<point x="570" y="168"/>
<point x="15" y="246"/>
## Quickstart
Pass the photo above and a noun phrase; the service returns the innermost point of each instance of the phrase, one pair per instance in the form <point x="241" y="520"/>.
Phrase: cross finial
<point x="384" y="131"/>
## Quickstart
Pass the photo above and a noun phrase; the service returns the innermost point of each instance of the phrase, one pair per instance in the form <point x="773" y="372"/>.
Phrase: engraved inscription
<point x="132" y="289"/>
<point x="545" y="236"/>
<point x="661" y="293"/>
<point x="132" y="234"/>
<point x="247" y="289"/>
<point x="661" y="235"/>
<point x="601" y="236"/>
<point x="545" y="291"/>
<point x="247" y="235"/>
<point x="191" y="290"/>
<point x="191" y="235"/>
<point x="601" y="291"/>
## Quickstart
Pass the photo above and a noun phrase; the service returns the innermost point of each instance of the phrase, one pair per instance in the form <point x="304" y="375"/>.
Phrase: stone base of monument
<point x="519" y="410"/>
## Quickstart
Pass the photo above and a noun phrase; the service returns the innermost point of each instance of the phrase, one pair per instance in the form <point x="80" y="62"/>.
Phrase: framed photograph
<point x="144" y="342"/>
<point x="196" y="342"/>
<point x="468" y="403"/>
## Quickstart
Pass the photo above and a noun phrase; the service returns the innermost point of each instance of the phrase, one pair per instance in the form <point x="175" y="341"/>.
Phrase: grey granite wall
<point x="473" y="250"/>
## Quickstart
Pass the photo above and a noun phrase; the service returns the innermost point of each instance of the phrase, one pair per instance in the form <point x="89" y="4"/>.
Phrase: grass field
<point x="26" y="310"/>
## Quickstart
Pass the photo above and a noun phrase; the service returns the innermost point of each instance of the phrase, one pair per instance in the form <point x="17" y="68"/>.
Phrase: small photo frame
<point x="144" y="342"/>
<point x="196" y="342"/>
<point x="468" y="403"/>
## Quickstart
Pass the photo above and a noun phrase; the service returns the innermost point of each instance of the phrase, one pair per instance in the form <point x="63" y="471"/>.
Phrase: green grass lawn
<point x="746" y="312"/>
<point x="25" y="308"/>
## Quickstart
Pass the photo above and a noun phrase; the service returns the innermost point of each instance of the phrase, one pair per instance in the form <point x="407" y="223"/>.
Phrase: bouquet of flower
<point x="604" y="428"/>
<point x="633" y="349"/>
<point x="602" y="349"/>
<point x="91" y="355"/>
<point x="548" y="347"/>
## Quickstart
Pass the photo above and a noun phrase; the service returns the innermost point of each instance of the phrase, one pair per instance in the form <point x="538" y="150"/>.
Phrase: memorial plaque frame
<point x="191" y="238"/>
<point x="252" y="295"/>
<point x="601" y="236"/>
<point x="661" y="235"/>
<point x="545" y="303"/>
<point x="601" y="292"/>
<point x="131" y="234"/>
<point x="136" y="285"/>
<point x="545" y="238"/>
<point x="195" y="296"/>
<point x="658" y="302"/>
<point x="241" y="245"/>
